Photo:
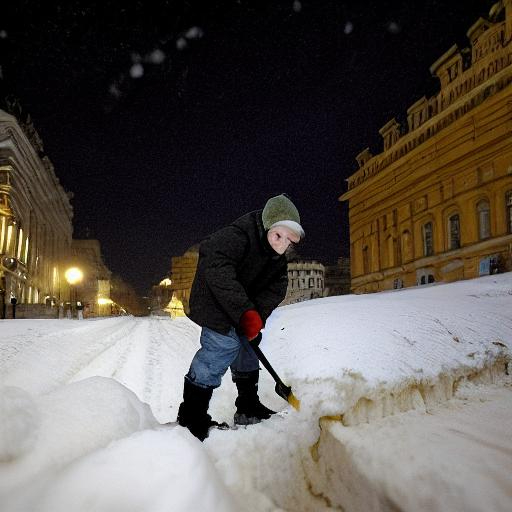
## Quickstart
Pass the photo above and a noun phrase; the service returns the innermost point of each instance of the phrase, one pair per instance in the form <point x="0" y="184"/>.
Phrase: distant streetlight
<point x="73" y="276"/>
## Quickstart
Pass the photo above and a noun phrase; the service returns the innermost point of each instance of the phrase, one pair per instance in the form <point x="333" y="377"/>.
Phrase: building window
<point x="20" y="244"/>
<point x="366" y="260"/>
<point x="454" y="231"/>
<point x="428" y="239"/>
<point x="484" y="219"/>
<point x="509" y="210"/>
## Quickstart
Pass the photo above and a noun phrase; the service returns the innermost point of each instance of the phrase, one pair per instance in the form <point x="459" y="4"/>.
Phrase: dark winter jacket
<point x="237" y="270"/>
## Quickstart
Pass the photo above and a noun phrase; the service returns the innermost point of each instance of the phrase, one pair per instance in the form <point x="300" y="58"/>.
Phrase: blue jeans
<point x="217" y="353"/>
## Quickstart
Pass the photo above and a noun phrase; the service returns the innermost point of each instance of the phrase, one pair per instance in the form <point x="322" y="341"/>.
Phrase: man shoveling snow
<point x="241" y="278"/>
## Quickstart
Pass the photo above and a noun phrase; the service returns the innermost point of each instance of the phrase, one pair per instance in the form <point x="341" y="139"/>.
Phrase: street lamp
<point x="73" y="276"/>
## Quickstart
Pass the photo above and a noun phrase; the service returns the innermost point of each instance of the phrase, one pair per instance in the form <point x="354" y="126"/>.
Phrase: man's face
<point x="281" y="237"/>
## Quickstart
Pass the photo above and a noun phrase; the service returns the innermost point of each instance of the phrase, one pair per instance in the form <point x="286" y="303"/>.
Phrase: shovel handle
<point x="266" y="364"/>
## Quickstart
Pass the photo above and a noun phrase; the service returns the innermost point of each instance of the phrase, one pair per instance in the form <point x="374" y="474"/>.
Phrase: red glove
<point x="251" y="324"/>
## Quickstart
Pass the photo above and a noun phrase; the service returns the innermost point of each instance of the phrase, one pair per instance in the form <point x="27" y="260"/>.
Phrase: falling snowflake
<point x="194" y="33"/>
<point x="348" y="28"/>
<point x="394" y="27"/>
<point x="156" y="57"/>
<point x="297" y="6"/>
<point x="114" y="90"/>
<point x="136" y="71"/>
<point x="181" y="43"/>
<point x="3" y="34"/>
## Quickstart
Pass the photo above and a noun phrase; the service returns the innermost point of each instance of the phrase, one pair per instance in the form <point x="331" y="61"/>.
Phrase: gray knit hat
<point x="280" y="211"/>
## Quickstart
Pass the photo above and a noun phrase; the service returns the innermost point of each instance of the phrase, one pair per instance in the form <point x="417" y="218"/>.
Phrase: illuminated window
<point x="484" y="219"/>
<point x="428" y="239"/>
<point x="25" y="252"/>
<point x="20" y="243"/>
<point x="454" y="231"/>
<point x="3" y="233"/>
<point x="9" y="238"/>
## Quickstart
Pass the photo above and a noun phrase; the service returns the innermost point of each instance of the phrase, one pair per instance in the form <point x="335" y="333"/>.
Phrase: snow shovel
<point x="281" y="389"/>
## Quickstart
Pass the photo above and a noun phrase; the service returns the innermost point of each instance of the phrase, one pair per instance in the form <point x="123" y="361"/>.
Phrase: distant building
<point x="94" y="291"/>
<point x="436" y="203"/>
<point x="337" y="278"/>
<point x="125" y="298"/>
<point x="160" y="297"/>
<point x="35" y="223"/>
<point x="183" y="271"/>
<point x="305" y="281"/>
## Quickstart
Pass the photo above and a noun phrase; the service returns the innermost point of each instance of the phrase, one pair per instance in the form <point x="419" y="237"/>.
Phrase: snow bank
<point x="86" y="446"/>
<point x="20" y="421"/>
<point x="155" y="471"/>
<point x="365" y="357"/>
<point x="453" y="458"/>
<point x="73" y="421"/>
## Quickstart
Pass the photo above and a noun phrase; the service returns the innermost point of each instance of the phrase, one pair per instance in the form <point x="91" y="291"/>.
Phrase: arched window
<point x="509" y="210"/>
<point x="484" y="219"/>
<point x="366" y="260"/>
<point x="454" y="231"/>
<point x="428" y="239"/>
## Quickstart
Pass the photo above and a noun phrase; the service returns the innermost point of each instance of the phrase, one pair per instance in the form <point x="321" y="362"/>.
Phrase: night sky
<point x="168" y="119"/>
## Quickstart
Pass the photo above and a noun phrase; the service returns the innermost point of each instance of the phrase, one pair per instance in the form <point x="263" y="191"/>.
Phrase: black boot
<point x="249" y="409"/>
<point x="193" y="411"/>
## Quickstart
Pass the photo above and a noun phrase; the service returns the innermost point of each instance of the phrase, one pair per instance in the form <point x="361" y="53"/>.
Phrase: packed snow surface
<point x="84" y="407"/>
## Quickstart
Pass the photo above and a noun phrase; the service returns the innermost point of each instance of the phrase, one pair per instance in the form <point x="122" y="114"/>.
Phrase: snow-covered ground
<point x="405" y="405"/>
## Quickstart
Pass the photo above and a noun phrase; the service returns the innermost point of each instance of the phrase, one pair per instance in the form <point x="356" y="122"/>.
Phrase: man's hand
<point x="251" y="324"/>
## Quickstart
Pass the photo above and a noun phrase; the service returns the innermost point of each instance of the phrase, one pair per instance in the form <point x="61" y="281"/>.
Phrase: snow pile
<point x="73" y="421"/>
<point x="155" y="471"/>
<point x="94" y="450"/>
<point x="20" y="421"/>
<point x="365" y="357"/>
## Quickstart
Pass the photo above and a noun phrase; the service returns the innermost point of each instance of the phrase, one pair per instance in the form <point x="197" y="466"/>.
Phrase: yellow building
<point x="183" y="271"/>
<point x="436" y="204"/>
<point x="35" y="223"/>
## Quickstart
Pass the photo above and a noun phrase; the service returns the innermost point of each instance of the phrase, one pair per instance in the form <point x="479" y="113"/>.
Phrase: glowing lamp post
<point x="73" y="276"/>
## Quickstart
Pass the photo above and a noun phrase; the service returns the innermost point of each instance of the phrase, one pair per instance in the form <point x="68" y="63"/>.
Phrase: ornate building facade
<point x="35" y="224"/>
<point x="183" y="271"/>
<point x="306" y="280"/>
<point x="436" y="204"/>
